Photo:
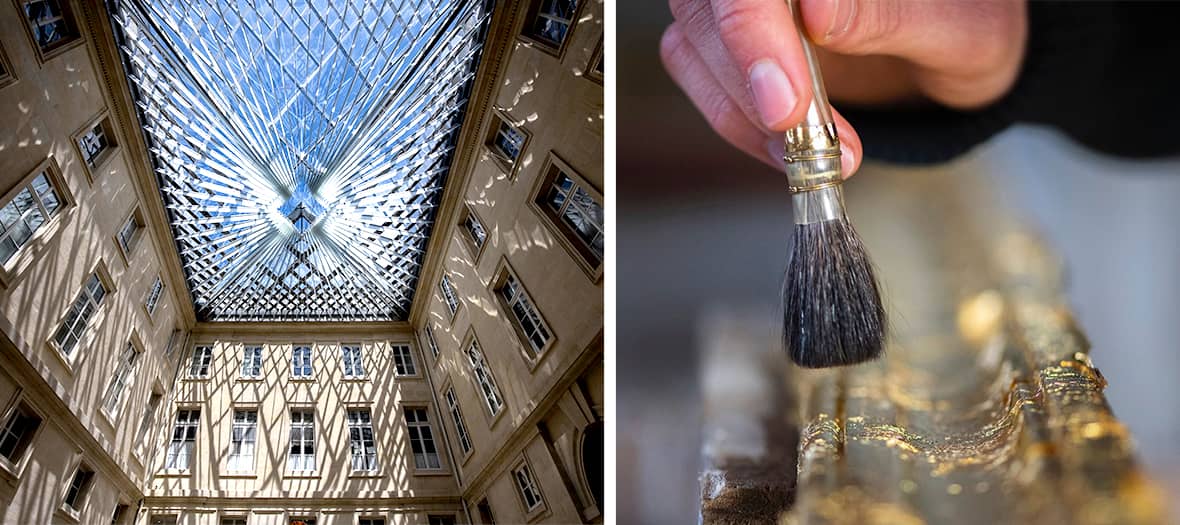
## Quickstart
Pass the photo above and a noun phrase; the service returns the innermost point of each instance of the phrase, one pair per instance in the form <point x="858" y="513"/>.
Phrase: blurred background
<point x="700" y="226"/>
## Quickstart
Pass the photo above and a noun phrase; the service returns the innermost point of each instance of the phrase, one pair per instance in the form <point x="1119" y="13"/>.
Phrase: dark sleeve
<point x="1102" y="73"/>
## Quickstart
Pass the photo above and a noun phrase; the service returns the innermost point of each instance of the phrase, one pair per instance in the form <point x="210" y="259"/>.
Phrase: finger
<point x="689" y="71"/>
<point x="697" y="25"/>
<point x="966" y="53"/>
<point x="761" y="39"/>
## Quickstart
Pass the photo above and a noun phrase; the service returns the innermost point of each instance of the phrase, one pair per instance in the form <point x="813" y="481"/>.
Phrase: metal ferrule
<point x="824" y="204"/>
<point x="812" y="147"/>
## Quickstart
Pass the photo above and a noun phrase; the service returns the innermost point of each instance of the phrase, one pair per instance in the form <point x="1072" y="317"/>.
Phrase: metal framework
<point x="301" y="145"/>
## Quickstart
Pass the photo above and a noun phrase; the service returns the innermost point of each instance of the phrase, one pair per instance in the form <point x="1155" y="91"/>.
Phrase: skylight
<point x="301" y="145"/>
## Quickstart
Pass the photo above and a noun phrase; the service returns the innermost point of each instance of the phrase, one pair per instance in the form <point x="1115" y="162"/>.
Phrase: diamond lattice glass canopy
<point x="301" y="145"/>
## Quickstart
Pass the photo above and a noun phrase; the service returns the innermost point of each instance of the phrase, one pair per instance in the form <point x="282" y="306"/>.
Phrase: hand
<point x="741" y="64"/>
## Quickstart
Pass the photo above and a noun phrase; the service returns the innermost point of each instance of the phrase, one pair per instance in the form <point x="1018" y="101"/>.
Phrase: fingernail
<point x="772" y="90"/>
<point x="847" y="163"/>
<point x="777" y="148"/>
<point x="842" y="12"/>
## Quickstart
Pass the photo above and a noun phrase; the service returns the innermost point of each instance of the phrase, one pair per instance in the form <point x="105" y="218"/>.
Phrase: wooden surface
<point x="986" y="409"/>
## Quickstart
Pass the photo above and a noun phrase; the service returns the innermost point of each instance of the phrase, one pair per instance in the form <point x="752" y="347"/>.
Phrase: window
<point x="173" y="341"/>
<point x="6" y="75"/>
<point x="594" y="70"/>
<point x="403" y="361"/>
<point x="18" y="433"/>
<point x="95" y="142"/>
<point x="301" y="362"/>
<point x="242" y="437"/>
<point x="301" y="520"/>
<point x="149" y="417"/>
<point x="123" y="372"/>
<point x="162" y="520"/>
<point x="473" y="231"/>
<point x="440" y="520"/>
<point x="184" y="436"/>
<point x="523" y="314"/>
<point x="360" y="439"/>
<point x="117" y="515"/>
<point x="251" y="362"/>
<point x="302" y="457"/>
<point x="449" y="294"/>
<point x="529" y="493"/>
<point x="457" y="416"/>
<point x="129" y="234"/>
<point x="485" y="512"/>
<point x="153" y="298"/>
<point x="506" y="141"/>
<point x="79" y="486"/>
<point x="199" y="366"/>
<point x="487" y="384"/>
<point x="51" y="23"/>
<point x="83" y="309"/>
<point x="32" y="207"/>
<point x="422" y="440"/>
<point x="574" y="209"/>
<point x="371" y="521"/>
<point x="237" y="520"/>
<point x="551" y="21"/>
<point x="354" y="362"/>
<point x="431" y="342"/>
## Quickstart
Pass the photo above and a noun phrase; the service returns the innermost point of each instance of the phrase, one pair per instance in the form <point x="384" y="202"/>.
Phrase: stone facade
<point x="103" y="394"/>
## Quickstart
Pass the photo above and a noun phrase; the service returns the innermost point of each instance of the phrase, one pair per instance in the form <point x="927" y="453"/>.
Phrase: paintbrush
<point x="832" y="313"/>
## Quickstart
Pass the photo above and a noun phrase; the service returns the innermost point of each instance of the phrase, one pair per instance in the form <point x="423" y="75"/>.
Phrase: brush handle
<point x="812" y="147"/>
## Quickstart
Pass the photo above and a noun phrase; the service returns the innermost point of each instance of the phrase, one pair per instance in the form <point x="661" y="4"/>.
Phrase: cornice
<point x="49" y="402"/>
<point x="502" y="31"/>
<point x="121" y="105"/>
<point x="510" y="448"/>
<point x="391" y="328"/>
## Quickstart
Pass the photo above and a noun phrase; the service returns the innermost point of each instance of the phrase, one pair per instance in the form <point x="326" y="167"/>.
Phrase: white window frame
<point x="526" y="483"/>
<point x="86" y="305"/>
<point x="243" y="440"/>
<point x="421" y="435"/>
<point x="251" y="362"/>
<point x="450" y="296"/>
<point x="131" y="232"/>
<point x="362" y="448"/>
<point x="98" y="133"/>
<point x="432" y="342"/>
<point x="371" y="520"/>
<point x="47" y="202"/>
<point x="582" y="251"/>
<point x="485" y="381"/>
<point x="352" y="355"/>
<point x="457" y="418"/>
<point x="25" y="442"/>
<point x="182" y="448"/>
<point x="403" y="360"/>
<point x="474" y="233"/>
<point x="302" y="363"/>
<point x="122" y="380"/>
<point x="201" y="362"/>
<point x="55" y="48"/>
<point x="150" y="410"/>
<point x="80" y="488"/>
<point x="512" y="294"/>
<point x="303" y="462"/>
<point x="153" y="298"/>
<point x="537" y="13"/>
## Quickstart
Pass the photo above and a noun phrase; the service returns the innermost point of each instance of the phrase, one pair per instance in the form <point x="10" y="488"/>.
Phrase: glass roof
<point x="301" y="145"/>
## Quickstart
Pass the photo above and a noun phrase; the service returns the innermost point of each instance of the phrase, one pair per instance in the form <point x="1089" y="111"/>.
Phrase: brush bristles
<point x="832" y="307"/>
